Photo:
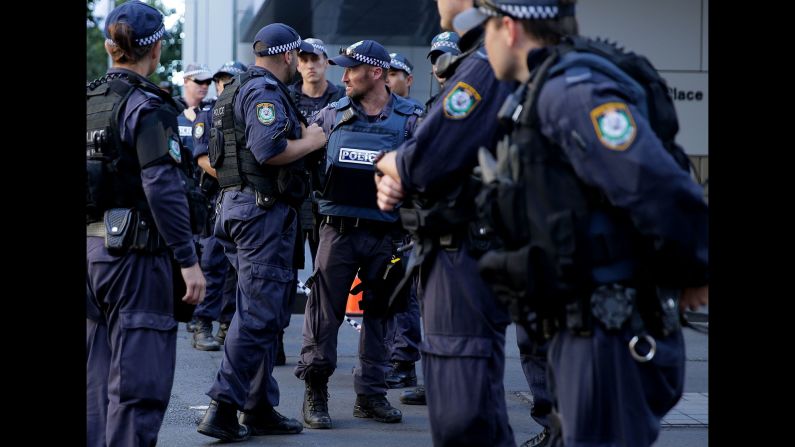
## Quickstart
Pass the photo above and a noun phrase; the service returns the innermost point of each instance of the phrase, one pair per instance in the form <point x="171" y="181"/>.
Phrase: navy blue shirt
<point x="327" y="117"/>
<point x="309" y="106"/>
<point x="268" y="119"/>
<point x="612" y="147"/>
<point x="162" y="182"/>
<point x="443" y="151"/>
<point x="201" y="131"/>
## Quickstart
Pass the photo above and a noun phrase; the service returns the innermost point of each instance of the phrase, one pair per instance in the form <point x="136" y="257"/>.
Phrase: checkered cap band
<point x="523" y="11"/>
<point x="396" y="64"/>
<point x="283" y="48"/>
<point x="149" y="40"/>
<point x="319" y="47"/>
<point x="444" y="43"/>
<point x="192" y="73"/>
<point x="366" y="59"/>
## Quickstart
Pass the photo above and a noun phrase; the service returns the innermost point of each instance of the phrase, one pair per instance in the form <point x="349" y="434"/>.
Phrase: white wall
<point x="673" y="35"/>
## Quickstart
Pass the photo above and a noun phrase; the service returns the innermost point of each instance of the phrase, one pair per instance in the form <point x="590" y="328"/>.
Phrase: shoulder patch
<point x="614" y="125"/>
<point x="198" y="130"/>
<point x="461" y="100"/>
<point x="266" y="113"/>
<point x="174" y="150"/>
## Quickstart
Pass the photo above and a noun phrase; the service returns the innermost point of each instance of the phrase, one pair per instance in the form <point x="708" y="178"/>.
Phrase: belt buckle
<point x="612" y="304"/>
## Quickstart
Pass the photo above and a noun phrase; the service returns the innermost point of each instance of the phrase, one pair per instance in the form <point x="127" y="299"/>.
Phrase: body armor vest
<point x="236" y="164"/>
<point x="113" y="169"/>
<point x="352" y="145"/>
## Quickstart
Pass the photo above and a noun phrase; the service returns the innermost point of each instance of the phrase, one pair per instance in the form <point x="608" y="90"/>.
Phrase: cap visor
<point x="468" y="19"/>
<point x="344" y="61"/>
<point x="202" y="76"/>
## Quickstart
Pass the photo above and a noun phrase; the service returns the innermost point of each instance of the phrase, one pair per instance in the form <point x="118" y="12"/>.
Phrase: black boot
<point x="401" y="375"/>
<point x="220" y="336"/>
<point x="377" y="407"/>
<point x="203" y="336"/>
<point x="269" y="422"/>
<point x="414" y="397"/>
<point x="538" y="440"/>
<point x="281" y="359"/>
<point x="220" y="421"/>
<point x="316" y="402"/>
<point x="190" y="326"/>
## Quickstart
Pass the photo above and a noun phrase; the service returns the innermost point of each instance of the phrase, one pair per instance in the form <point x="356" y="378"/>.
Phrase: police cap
<point x="197" y="72"/>
<point x="230" y="68"/>
<point x="146" y="22"/>
<point x="279" y="38"/>
<point x="516" y="9"/>
<point x="362" y="52"/>
<point x="318" y="47"/>
<point x="446" y="42"/>
<point x="400" y="62"/>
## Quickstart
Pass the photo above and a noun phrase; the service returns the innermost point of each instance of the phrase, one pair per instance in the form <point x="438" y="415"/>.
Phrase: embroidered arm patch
<point x="461" y="100"/>
<point x="614" y="125"/>
<point x="266" y="113"/>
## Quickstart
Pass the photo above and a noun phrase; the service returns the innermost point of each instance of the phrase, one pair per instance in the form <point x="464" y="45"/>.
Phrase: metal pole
<point x="110" y="8"/>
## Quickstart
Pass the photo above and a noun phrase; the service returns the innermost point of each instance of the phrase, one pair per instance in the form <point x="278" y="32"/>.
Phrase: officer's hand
<point x="390" y="192"/>
<point x="195" y="286"/>
<point x="314" y="135"/>
<point x="694" y="297"/>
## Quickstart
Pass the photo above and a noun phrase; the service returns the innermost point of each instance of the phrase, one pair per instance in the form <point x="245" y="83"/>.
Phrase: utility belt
<point x="343" y="224"/>
<point x="124" y="230"/>
<point x="650" y="313"/>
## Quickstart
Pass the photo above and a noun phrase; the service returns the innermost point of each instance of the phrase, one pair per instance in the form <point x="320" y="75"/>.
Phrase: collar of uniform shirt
<point x="384" y="114"/>
<point x="536" y="57"/>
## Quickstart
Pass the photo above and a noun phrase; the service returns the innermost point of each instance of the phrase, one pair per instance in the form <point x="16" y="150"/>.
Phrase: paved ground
<point x="685" y="426"/>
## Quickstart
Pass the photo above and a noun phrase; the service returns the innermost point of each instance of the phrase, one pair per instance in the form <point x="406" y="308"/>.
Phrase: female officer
<point x="136" y="206"/>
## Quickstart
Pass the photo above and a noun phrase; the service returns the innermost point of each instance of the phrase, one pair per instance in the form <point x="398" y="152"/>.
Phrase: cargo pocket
<point x="147" y="357"/>
<point x="267" y="292"/>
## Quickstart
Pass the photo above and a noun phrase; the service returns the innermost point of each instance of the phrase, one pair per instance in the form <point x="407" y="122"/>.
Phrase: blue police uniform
<point x="219" y="301"/>
<point x="595" y="118"/>
<point x="131" y="331"/>
<point x="265" y="272"/>
<point x="463" y="349"/>
<point x="310" y="107"/>
<point x="401" y="62"/>
<point x="663" y="201"/>
<point x="354" y="235"/>
<point x="259" y="242"/>
<point x="403" y="333"/>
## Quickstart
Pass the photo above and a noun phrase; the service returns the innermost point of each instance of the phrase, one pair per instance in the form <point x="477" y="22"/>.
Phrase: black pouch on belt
<point x="120" y="226"/>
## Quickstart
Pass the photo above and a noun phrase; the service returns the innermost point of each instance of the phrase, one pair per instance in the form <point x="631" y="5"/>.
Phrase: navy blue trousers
<point x="131" y="346"/>
<point x="533" y="355"/>
<point x="339" y="257"/>
<point x="604" y="397"/>
<point x="463" y="354"/>
<point x="219" y="301"/>
<point x="259" y="244"/>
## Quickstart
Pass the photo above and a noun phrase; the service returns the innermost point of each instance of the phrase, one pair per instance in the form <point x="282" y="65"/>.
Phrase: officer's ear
<point x="409" y="80"/>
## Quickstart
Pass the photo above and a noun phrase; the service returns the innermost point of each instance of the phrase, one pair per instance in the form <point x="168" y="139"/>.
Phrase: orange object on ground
<point x="352" y="308"/>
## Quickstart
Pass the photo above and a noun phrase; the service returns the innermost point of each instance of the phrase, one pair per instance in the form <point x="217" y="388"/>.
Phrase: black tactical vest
<point x="236" y="164"/>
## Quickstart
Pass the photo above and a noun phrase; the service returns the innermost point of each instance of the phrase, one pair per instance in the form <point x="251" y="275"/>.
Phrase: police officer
<point x="311" y="93"/>
<point x="399" y="78"/>
<point x="133" y="213"/>
<point x="197" y="79"/>
<point x="197" y="82"/>
<point x="403" y="334"/>
<point x="219" y="304"/>
<point x="463" y="349"/>
<point x="596" y="171"/>
<point x="354" y="235"/>
<point x="256" y="146"/>
<point x="443" y="43"/>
